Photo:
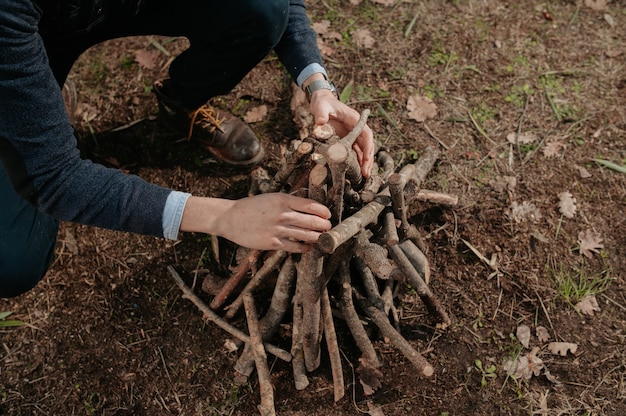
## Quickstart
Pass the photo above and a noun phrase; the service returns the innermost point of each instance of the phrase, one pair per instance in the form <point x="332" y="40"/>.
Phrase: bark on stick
<point x="266" y="408"/>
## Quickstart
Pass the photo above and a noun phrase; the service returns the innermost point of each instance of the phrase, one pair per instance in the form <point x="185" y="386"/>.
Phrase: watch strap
<point x="319" y="84"/>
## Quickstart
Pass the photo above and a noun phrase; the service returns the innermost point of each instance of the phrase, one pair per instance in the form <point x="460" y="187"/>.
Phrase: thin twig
<point x="217" y="320"/>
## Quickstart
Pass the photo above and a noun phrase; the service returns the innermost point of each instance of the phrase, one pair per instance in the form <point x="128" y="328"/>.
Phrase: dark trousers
<point x="227" y="39"/>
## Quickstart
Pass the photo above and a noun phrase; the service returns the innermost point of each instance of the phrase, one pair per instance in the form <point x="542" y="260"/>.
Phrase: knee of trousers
<point x="270" y="18"/>
<point x="23" y="265"/>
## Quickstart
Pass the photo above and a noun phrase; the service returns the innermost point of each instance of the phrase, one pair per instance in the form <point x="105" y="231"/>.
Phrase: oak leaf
<point x="522" y="138"/>
<point x="363" y="38"/>
<point x="542" y="334"/>
<point x="567" y="204"/>
<point x="561" y="348"/>
<point x="553" y="149"/>
<point x="146" y="58"/>
<point x="525" y="211"/>
<point x="587" y="305"/>
<point x="589" y="242"/>
<point x="421" y="108"/>
<point x="525" y="366"/>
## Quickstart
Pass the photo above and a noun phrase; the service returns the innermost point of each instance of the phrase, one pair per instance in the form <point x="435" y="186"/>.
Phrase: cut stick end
<point x="428" y="371"/>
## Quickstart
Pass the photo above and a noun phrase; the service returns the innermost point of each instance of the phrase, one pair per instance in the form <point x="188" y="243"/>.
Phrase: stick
<point x="309" y="275"/>
<point x="268" y="325"/>
<point x="289" y="165"/>
<point x="348" y="228"/>
<point x="217" y="320"/>
<point x="433" y="304"/>
<point x="346" y="306"/>
<point x="413" y="194"/>
<point x="235" y="279"/>
<point x="417" y="259"/>
<point x="333" y="347"/>
<point x="381" y="321"/>
<point x="374" y="256"/>
<point x="369" y="283"/>
<point x="266" y="408"/>
<point x="271" y="262"/>
<point x="298" y="366"/>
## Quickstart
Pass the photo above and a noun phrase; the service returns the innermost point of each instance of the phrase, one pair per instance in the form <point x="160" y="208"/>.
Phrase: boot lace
<point x="206" y="117"/>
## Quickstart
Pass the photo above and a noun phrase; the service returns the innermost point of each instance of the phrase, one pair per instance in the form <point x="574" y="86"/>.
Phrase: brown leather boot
<point x="227" y="137"/>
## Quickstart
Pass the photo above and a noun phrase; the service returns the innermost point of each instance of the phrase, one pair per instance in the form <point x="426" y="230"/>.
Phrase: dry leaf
<point x="525" y="211"/>
<point x="567" y="204"/>
<point x="583" y="173"/>
<point x="70" y="242"/>
<point x="146" y="58"/>
<point x="503" y="183"/>
<point x="588" y="242"/>
<point x="369" y="376"/>
<point x="588" y="305"/>
<point x="356" y="2"/>
<point x="421" y="108"/>
<point x="256" y="114"/>
<point x="542" y="334"/>
<point x="385" y="2"/>
<point x="596" y="4"/>
<point x="363" y="38"/>
<point x="523" y="335"/>
<point x="525" y="366"/>
<point x="374" y="410"/>
<point x="522" y="138"/>
<point x="561" y="348"/>
<point x="321" y="28"/>
<point x="553" y="149"/>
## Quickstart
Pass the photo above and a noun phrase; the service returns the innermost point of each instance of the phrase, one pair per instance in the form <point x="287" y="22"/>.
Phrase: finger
<point x="309" y="206"/>
<point x="295" y="246"/>
<point x="302" y="235"/>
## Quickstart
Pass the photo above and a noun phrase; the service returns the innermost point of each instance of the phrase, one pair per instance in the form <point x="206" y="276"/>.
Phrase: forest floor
<point x="537" y="241"/>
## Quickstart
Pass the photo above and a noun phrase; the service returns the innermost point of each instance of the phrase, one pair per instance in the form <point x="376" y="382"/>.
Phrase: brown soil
<point x="108" y="332"/>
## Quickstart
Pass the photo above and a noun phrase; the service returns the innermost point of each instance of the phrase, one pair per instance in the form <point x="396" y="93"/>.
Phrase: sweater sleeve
<point x="297" y="48"/>
<point x="38" y="147"/>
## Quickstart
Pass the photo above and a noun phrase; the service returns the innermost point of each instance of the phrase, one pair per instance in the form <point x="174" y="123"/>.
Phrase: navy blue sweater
<point x="37" y="143"/>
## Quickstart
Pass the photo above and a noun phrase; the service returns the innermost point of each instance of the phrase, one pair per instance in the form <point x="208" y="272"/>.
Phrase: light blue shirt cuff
<point x="173" y="213"/>
<point x="310" y="70"/>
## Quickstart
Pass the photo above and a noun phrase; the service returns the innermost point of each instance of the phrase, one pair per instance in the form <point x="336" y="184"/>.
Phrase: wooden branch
<point x="371" y="186"/>
<point x="298" y="366"/>
<point x="388" y="165"/>
<point x="346" y="306"/>
<point x="374" y="256"/>
<point x="369" y="283"/>
<point x="351" y="137"/>
<point x="417" y="259"/>
<point x="349" y="227"/>
<point x="268" y="325"/>
<point x="433" y="304"/>
<point x="413" y="194"/>
<point x="217" y="320"/>
<point x="389" y="227"/>
<point x="309" y="277"/>
<point x="337" y="157"/>
<point x="242" y="269"/>
<point x="388" y="306"/>
<point x="318" y="178"/>
<point x="333" y="347"/>
<point x="382" y="322"/>
<point x="272" y="262"/>
<point x="289" y="165"/>
<point x="266" y="408"/>
<point x="259" y="181"/>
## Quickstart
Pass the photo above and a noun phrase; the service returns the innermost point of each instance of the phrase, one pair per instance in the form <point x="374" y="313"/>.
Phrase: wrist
<point x="203" y="215"/>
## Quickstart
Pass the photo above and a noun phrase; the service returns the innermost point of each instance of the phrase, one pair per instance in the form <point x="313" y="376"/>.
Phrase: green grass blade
<point x="611" y="165"/>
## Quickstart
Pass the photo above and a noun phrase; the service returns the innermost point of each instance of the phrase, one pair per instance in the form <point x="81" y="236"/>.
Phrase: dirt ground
<point x="108" y="332"/>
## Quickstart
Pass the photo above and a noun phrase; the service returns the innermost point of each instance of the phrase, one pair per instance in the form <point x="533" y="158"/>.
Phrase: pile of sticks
<point x="351" y="276"/>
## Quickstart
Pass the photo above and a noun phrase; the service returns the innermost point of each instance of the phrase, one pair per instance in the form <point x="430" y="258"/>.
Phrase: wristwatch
<point x="320" y="84"/>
